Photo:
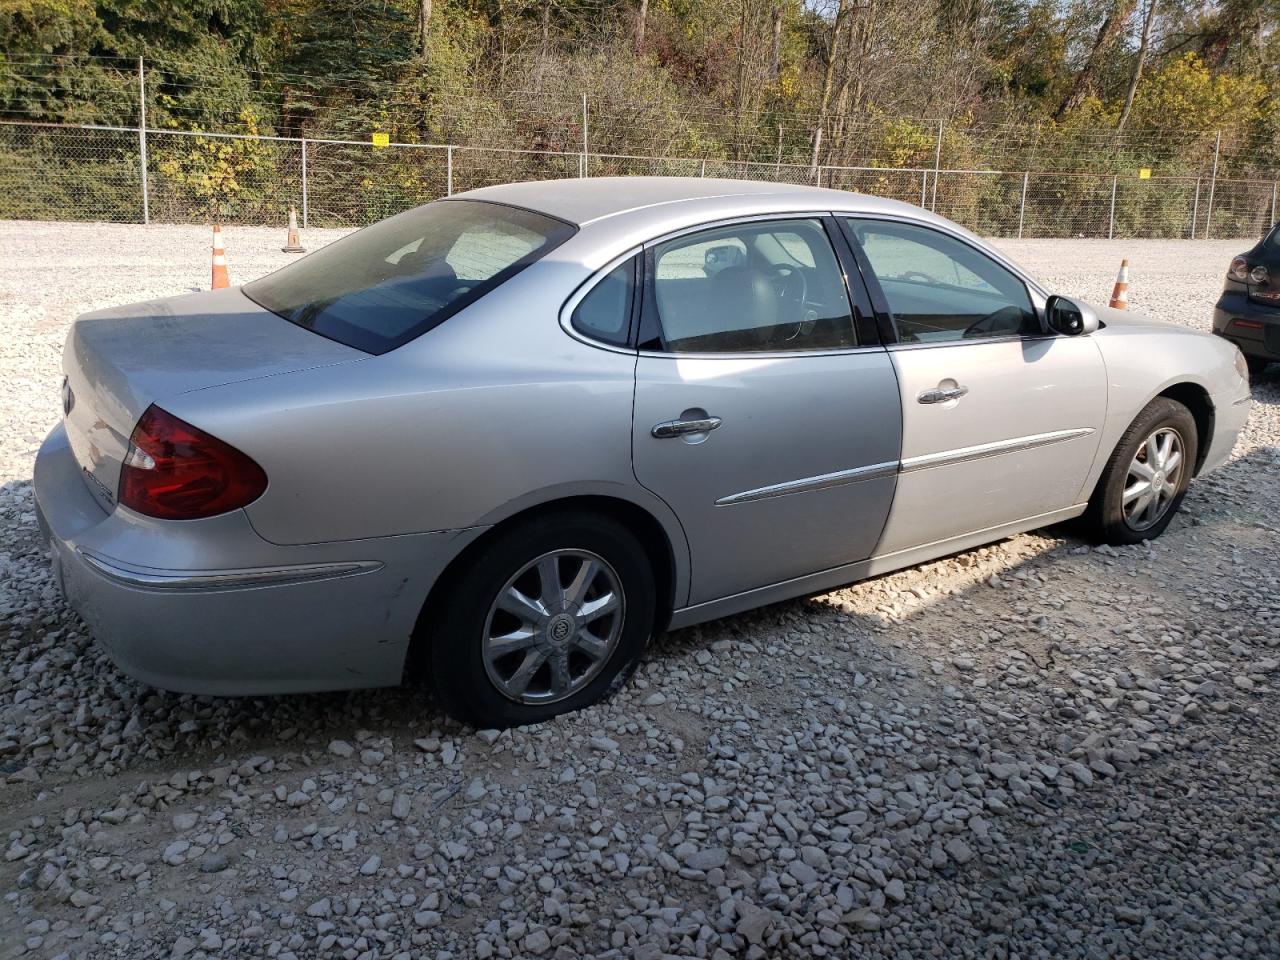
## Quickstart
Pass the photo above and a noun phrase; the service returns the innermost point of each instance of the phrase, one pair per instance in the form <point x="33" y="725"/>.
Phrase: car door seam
<point x="1106" y="413"/>
<point x="676" y="602"/>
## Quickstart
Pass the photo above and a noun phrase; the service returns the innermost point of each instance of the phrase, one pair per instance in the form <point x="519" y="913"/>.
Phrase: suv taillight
<point x="175" y="471"/>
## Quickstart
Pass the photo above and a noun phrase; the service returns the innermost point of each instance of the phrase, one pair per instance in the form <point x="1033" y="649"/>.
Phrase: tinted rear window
<point x="386" y="284"/>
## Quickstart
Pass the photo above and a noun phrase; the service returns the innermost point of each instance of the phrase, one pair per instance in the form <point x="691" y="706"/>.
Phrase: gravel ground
<point x="1034" y="749"/>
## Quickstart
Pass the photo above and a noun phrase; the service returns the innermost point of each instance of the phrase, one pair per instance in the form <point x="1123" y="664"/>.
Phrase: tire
<point x="1257" y="366"/>
<point x="470" y="671"/>
<point x="1107" y="518"/>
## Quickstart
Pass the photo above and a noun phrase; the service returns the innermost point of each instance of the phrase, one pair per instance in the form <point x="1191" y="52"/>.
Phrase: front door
<point x="1001" y="420"/>
<point x="759" y="418"/>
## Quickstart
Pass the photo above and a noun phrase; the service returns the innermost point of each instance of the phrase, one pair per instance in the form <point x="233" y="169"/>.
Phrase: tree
<point x="829" y="52"/>
<point x="641" y="22"/>
<point x="1138" y="64"/>
<point x="424" y="28"/>
<point x="1112" y="25"/>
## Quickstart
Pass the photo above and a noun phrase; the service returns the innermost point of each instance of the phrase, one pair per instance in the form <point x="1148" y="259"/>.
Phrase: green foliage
<point x="709" y="82"/>
<point x="71" y="174"/>
<point x="222" y="175"/>
<point x="1185" y="96"/>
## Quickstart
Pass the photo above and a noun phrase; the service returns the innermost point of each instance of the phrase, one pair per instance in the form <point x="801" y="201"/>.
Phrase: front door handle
<point x="680" y="428"/>
<point x="942" y="394"/>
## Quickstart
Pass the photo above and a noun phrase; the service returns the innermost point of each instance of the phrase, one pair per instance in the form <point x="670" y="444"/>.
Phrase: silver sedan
<point x="506" y="438"/>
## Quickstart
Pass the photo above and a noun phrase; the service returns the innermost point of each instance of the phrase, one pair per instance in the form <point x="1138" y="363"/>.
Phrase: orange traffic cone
<point x="293" y="244"/>
<point x="1120" y="294"/>
<point x="220" y="278"/>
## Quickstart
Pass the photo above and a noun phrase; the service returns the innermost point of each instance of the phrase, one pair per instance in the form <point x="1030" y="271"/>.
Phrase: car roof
<point x="585" y="200"/>
<point x="620" y="213"/>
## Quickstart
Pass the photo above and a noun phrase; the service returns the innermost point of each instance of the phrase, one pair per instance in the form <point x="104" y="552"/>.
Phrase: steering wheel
<point x="793" y="291"/>
<point x="1005" y="320"/>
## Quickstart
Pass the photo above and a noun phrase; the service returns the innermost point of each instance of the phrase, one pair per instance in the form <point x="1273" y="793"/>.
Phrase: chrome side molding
<point x="890" y="468"/>
<point x="995" y="449"/>
<point x="808" y="484"/>
<point x="239" y="579"/>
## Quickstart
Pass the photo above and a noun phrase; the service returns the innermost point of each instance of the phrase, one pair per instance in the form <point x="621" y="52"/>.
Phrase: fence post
<point x="1111" y="218"/>
<point x="448" y="171"/>
<point x="924" y="187"/>
<point x="142" y="139"/>
<point x="585" y="153"/>
<point x="702" y="167"/>
<point x="937" y="163"/>
<point x="1022" y="206"/>
<point x="304" y="183"/>
<point x="1213" y="183"/>
<point x="1195" y="209"/>
<point x="1273" y="203"/>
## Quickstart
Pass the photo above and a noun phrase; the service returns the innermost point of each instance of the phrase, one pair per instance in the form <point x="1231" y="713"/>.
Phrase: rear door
<point x="1000" y="419"/>
<point x="762" y="417"/>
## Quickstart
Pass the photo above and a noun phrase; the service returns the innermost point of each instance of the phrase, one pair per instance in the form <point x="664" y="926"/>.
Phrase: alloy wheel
<point x="1153" y="480"/>
<point x="553" y="626"/>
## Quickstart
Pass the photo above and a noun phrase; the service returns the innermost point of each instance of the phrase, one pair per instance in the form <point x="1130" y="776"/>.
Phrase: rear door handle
<point x="680" y="428"/>
<point x="941" y="394"/>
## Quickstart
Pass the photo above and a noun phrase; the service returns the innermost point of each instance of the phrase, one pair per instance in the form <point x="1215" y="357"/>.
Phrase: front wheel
<point x="550" y="616"/>
<point x="1147" y="475"/>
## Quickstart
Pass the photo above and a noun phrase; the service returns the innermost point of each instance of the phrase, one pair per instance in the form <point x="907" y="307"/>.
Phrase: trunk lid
<point x="120" y="360"/>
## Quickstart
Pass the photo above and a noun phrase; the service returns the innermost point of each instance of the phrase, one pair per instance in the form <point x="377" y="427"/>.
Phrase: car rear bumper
<point x="1251" y="326"/>
<point x="210" y="607"/>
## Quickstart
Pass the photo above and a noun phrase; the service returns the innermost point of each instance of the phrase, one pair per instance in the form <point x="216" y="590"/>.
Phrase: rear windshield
<point x="386" y="284"/>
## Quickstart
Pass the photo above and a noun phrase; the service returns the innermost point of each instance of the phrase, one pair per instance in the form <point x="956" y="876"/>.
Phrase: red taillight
<point x="175" y="471"/>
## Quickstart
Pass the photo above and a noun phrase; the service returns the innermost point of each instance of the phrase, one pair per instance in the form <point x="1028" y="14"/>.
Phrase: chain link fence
<point x="64" y="172"/>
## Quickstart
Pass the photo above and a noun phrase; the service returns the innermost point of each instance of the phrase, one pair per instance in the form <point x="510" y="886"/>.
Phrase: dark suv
<point x="1248" y="312"/>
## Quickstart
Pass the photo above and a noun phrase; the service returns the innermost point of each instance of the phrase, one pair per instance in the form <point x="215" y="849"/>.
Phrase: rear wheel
<point x="549" y="617"/>
<point x="1147" y="475"/>
<point x="1257" y="365"/>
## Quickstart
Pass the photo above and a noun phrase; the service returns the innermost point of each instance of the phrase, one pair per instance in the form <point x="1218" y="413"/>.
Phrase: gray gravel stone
<point x="819" y="781"/>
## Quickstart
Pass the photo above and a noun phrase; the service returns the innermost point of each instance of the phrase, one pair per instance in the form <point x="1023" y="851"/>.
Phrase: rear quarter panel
<point x="495" y="411"/>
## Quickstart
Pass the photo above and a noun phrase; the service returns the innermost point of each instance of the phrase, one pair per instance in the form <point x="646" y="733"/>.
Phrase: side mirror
<point x="725" y="255"/>
<point x="1069" y="318"/>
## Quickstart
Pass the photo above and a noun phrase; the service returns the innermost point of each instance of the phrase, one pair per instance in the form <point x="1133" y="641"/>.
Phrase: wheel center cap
<point x="1159" y="478"/>
<point x="560" y="628"/>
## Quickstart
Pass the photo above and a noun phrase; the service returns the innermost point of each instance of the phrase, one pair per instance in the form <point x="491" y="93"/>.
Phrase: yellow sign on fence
<point x="1144" y="173"/>
<point x="381" y="139"/>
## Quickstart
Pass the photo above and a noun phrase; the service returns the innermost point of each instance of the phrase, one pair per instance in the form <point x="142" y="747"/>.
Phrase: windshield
<point x="391" y="282"/>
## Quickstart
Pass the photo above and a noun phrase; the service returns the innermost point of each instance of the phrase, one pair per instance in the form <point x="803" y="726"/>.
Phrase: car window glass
<point x="396" y="256"/>
<point x="786" y="247"/>
<point x="605" y="312"/>
<point x="699" y="259"/>
<point x="384" y="285"/>
<point x="761" y="286"/>
<point x="940" y="289"/>
<point x="485" y="249"/>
